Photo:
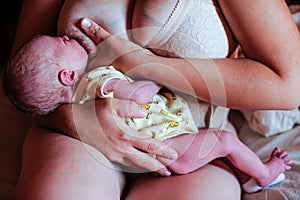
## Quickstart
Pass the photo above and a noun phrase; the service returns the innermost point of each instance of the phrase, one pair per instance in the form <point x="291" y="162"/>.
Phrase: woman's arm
<point x="271" y="43"/>
<point x="268" y="78"/>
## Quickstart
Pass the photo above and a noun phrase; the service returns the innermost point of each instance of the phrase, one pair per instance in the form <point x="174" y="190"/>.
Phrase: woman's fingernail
<point x="174" y="156"/>
<point x="86" y="22"/>
<point x="167" y="173"/>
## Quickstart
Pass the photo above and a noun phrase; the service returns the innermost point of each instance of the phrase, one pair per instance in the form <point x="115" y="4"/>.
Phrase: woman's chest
<point x="194" y="28"/>
<point x="185" y="28"/>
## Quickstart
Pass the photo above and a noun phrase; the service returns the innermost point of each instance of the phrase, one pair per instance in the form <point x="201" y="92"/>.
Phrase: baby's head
<point x="43" y="73"/>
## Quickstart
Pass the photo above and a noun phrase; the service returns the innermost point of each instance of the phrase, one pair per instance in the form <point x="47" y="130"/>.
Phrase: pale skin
<point x="194" y="151"/>
<point x="123" y="108"/>
<point x="238" y="75"/>
<point x="285" y="81"/>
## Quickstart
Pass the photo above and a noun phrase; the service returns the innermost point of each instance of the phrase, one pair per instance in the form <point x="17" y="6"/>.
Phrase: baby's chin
<point x="83" y="53"/>
<point x="81" y="73"/>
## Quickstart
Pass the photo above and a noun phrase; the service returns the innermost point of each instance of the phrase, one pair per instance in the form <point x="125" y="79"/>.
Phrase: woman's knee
<point x="58" y="167"/>
<point x="209" y="182"/>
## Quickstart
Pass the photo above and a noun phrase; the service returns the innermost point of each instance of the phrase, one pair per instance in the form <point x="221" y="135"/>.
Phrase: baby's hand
<point x="140" y="91"/>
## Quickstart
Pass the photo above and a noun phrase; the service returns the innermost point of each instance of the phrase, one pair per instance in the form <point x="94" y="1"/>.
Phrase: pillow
<point x="295" y="10"/>
<point x="272" y="122"/>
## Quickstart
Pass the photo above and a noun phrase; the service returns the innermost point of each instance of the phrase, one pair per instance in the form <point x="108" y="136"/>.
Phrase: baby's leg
<point x="197" y="150"/>
<point x="274" y="167"/>
<point x="278" y="163"/>
<point x="247" y="161"/>
<point x="59" y="167"/>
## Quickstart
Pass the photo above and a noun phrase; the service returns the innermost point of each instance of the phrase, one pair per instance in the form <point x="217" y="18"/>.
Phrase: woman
<point x="245" y="20"/>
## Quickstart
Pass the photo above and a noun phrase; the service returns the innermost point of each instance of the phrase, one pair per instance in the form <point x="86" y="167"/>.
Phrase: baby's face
<point x="70" y="55"/>
<point x="73" y="55"/>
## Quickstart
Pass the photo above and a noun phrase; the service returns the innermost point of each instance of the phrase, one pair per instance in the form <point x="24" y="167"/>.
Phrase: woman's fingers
<point x="122" y="144"/>
<point x="72" y="31"/>
<point x="148" y="161"/>
<point x="154" y="147"/>
<point x="130" y="109"/>
<point x="94" y="31"/>
<point x="138" y="140"/>
<point x="138" y="151"/>
<point x="141" y="150"/>
<point x="107" y="50"/>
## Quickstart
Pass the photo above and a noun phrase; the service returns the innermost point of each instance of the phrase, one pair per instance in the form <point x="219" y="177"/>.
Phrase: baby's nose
<point x="66" y="38"/>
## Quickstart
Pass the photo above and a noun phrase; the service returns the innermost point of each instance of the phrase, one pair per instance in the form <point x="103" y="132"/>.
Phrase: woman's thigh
<point x="209" y="182"/>
<point x="59" y="167"/>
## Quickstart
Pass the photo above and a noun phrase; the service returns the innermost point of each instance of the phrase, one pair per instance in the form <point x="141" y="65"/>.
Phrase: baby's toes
<point x="276" y="152"/>
<point x="283" y="155"/>
<point x="287" y="161"/>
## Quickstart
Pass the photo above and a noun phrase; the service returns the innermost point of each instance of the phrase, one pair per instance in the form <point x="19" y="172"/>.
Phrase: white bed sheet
<point x="289" y="189"/>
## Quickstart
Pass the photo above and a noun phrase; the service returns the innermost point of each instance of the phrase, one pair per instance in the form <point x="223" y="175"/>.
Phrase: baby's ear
<point x="68" y="77"/>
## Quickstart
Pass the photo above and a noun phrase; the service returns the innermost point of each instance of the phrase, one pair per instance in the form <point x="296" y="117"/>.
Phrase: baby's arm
<point x="140" y="91"/>
<point x="108" y="82"/>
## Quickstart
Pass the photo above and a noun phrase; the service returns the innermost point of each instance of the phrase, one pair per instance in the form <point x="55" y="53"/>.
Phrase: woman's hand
<point x="111" y="49"/>
<point x="117" y="141"/>
<point x="100" y="123"/>
<point x="71" y="12"/>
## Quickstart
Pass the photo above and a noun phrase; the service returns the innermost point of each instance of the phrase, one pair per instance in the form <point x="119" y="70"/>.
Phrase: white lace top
<point x="194" y="29"/>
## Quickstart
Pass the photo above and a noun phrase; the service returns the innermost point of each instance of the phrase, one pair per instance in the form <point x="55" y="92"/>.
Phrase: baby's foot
<point x="251" y="185"/>
<point x="276" y="165"/>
